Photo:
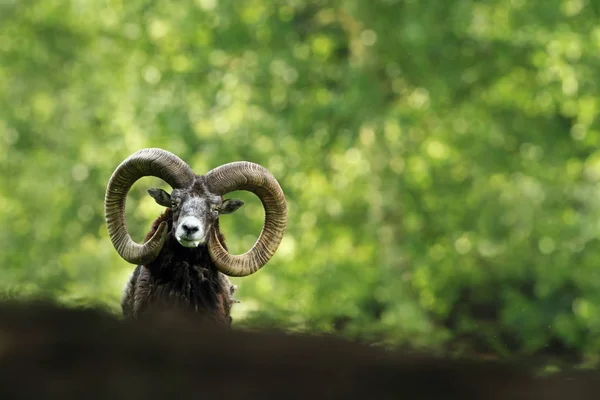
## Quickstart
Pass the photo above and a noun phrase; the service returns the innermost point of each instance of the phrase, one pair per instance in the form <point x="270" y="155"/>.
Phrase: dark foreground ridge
<point x="47" y="352"/>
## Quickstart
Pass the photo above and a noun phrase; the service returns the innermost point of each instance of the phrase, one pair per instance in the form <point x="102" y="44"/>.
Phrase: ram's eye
<point x="173" y="205"/>
<point x="215" y="210"/>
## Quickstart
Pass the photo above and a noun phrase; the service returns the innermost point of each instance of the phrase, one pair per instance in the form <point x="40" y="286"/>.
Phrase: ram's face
<point x="195" y="211"/>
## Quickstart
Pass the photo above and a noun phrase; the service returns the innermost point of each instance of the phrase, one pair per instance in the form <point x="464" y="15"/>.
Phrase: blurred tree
<point x="440" y="158"/>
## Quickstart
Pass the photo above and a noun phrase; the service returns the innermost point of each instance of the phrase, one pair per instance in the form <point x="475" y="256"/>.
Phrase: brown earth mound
<point x="48" y="352"/>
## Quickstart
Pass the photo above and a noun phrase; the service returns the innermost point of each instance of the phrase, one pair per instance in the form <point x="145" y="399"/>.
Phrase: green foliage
<point x="439" y="158"/>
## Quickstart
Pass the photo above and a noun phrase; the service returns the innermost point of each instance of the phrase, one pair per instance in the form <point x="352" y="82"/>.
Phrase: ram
<point x="183" y="262"/>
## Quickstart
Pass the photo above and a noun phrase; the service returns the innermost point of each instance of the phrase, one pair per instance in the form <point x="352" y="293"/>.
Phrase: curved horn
<point x="243" y="175"/>
<point x="146" y="162"/>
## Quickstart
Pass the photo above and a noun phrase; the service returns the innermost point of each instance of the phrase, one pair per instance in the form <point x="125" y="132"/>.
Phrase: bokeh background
<point x="440" y="158"/>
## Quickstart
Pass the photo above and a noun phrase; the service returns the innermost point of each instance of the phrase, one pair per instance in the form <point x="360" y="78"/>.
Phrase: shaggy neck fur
<point x="182" y="278"/>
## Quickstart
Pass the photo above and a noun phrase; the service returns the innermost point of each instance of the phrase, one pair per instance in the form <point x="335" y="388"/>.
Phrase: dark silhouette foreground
<point x="47" y="352"/>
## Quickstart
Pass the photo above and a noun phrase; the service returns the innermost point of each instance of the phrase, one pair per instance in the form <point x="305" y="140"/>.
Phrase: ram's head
<point x="195" y="211"/>
<point x="196" y="202"/>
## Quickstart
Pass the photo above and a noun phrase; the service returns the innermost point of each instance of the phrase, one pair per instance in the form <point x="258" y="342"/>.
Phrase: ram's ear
<point x="231" y="205"/>
<point x="160" y="196"/>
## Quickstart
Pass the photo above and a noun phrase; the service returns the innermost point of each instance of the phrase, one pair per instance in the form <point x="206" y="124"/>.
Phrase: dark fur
<point x="180" y="278"/>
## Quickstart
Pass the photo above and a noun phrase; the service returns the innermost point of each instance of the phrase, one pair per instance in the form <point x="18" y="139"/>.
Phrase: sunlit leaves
<point x="439" y="158"/>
